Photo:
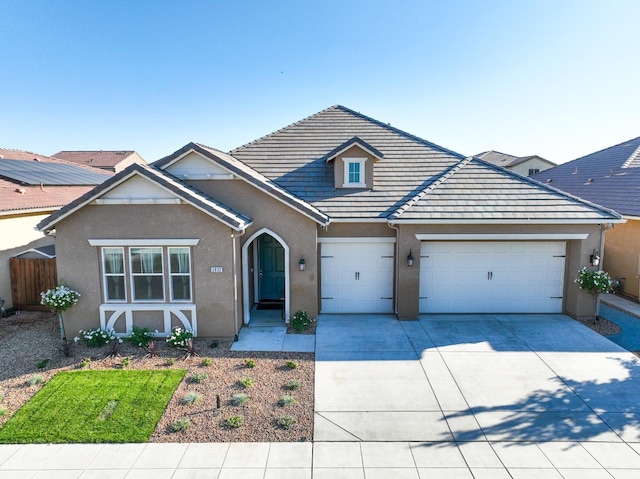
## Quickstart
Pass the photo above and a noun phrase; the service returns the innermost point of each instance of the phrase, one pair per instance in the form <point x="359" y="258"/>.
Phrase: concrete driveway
<point x="473" y="378"/>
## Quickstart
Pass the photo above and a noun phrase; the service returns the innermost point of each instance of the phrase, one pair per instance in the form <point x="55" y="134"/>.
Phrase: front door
<point x="271" y="268"/>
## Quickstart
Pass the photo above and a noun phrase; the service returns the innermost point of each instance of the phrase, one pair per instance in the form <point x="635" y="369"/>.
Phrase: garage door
<point x="357" y="277"/>
<point x="492" y="277"/>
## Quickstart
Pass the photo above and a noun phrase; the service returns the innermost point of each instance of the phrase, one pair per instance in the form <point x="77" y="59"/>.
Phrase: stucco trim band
<point x="506" y="236"/>
<point x="145" y="242"/>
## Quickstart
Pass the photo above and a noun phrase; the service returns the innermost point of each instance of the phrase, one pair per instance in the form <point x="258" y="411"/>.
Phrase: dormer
<point x="353" y="163"/>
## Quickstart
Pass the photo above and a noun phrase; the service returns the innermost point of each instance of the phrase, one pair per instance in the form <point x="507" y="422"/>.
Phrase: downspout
<point x="397" y="272"/>
<point x="234" y="258"/>
<point x="603" y="228"/>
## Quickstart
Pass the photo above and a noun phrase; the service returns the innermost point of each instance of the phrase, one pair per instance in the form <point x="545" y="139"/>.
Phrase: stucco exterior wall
<point x="296" y="230"/>
<point x="524" y="167"/>
<point x="576" y="303"/>
<point x="621" y="257"/>
<point x="129" y="160"/>
<point x="18" y="234"/>
<point x="79" y="264"/>
<point x="353" y="152"/>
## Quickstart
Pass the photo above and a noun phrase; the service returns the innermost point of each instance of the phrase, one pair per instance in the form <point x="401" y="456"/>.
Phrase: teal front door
<point x="271" y="272"/>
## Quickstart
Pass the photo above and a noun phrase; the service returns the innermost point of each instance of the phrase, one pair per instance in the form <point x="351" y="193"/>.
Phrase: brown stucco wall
<point x="621" y="257"/>
<point x="353" y="152"/>
<point x="79" y="263"/>
<point x="296" y="230"/>
<point x="577" y="303"/>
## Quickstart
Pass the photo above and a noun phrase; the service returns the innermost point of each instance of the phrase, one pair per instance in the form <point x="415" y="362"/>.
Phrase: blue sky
<point x="554" y="78"/>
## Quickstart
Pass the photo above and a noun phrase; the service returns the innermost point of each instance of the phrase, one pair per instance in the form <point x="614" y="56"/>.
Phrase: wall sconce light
<point x="302" y="264"/>
<point x="595" y="258"/>
<point x="410" y="259"/>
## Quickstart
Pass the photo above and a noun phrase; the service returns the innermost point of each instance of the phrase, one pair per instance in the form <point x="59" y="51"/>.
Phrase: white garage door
<point x="492" y="277"/>
<point x="357" y="277"/>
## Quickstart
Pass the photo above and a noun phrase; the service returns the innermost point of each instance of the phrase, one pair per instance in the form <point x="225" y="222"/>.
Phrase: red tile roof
<point x="97" y="159"/>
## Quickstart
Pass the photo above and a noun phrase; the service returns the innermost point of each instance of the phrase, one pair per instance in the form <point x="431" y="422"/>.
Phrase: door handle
<point x="490" y="275"/>
<point x="357" y="276"/>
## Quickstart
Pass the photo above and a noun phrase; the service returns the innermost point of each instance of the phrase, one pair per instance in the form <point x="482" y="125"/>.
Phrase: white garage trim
<point x="502" y="237"/>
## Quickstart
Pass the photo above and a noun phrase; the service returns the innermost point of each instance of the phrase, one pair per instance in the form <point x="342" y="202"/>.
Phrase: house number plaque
<point x="216" y="269"/>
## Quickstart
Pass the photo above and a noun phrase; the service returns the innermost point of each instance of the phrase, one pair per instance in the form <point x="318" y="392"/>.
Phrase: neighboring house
<point x="610" y="177"/>
<point x="337" y="213"/>
<point x="523" y="165"/>
<point x="33" y="186"/>
<point x="114" y="161"/>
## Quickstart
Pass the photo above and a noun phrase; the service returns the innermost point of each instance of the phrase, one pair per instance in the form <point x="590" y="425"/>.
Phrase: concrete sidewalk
<point x="321" y="460"/>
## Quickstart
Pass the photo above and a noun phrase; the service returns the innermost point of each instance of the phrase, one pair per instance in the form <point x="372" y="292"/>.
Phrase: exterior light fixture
<point x="302" y="264"/>
<point x="595" y="258"/>
<point x="410" y="260"/>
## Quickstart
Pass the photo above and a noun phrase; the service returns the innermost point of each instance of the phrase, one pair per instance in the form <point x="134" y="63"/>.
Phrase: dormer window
<point x="354" y="173"/>
<point x="350" y="165"/>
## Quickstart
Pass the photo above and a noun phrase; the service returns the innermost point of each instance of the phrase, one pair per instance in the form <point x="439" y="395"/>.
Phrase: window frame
<point x="133" y="275"/>
<point x="533" y="171"/>
<point x="106" y="275"/>
<point x="172" y="275"/>
<point x="362" y="172"/>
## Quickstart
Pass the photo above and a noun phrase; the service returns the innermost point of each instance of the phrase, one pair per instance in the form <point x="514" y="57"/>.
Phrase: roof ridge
<point x="280" y="130"/>
<point x="632" y="157"/>
<point x="399" y="131"/>
<point x="600" y="151"/>
<point x="545" y="186"/>
<point x="431" y="186"/>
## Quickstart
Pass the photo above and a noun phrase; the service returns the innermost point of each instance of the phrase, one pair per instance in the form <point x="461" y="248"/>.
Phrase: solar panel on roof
<point x="48" y="173"/>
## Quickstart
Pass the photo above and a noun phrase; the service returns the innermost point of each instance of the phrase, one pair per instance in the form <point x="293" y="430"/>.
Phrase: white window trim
<point x="132" y="275"/>
<point x="105" y="286"/>
<point x="171" y="275"/>
<point x="361" y="162"/>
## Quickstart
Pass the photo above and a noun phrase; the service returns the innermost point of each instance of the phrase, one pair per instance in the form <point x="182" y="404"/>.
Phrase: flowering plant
<point x="59" y="298"/>
<point x="179" y="337"/>
<point x="301" y="320"/>
<point x="96" y="337"/>
<point x="595" y="282"/>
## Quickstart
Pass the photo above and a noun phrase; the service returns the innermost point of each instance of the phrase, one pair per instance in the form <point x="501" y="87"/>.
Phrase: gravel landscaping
<point x="29" y="339"/>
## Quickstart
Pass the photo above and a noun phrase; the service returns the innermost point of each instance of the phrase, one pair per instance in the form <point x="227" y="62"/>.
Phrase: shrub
<point x="214" y="344"/>
<point x="287" y="401"/>
<point x="191" y="398"/>
<point x="85" y="362"/>
<point x="152" y="350"/>
<point x="250" y="363"/>
<point x="96" y="337"/>
<point x="140" y="336"/>
<point x="198" y="378"/>
<point x="234" y="422"/>
<point x="207" y="362"/>
<point x="126" y="362"/>
<point x="181" y="424"/>
<point x="114" y="348"/>
<point x="43" y="364"/>
<point x="594" y="281"/>
<point x="285" y="422"/>
<point x="37" y="379"/>
<point x="66" y="348"/>
<point x="246" y="382"/>
<point x="291" y="364"/>
<point x="301" y="321"/>
<point x="3" y="411"/>
<point x="239" y="399"/>
<point x="293" y="384"/>
<point x="170" y="361"/>
<point x="179" y="338"/>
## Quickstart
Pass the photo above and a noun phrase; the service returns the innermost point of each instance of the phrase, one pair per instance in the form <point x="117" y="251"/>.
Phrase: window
<point x="147" y="274"/>
<point x="180" y="274"/>
<point x="354" y="173"/>
<point x="533" y="171"/>
<point x="113" y="267"/>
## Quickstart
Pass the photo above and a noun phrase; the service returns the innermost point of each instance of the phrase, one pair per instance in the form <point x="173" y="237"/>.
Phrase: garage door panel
<point x="357" y="277"/>
<point x="515" y="276"/>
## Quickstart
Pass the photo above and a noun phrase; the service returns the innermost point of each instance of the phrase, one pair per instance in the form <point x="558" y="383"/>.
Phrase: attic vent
<point x="22" y="191"/>
<point x="36" y="159"/>
<point x="549" y="181"/>
<point x="589" y="181"/>
<point x="576" y="171"/>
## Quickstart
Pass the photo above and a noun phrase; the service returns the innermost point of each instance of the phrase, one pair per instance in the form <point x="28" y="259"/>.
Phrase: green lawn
<point x="94" y="406"/>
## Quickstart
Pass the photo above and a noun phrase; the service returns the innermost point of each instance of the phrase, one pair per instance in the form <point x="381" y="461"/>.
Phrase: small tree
<point x="60" y="299"/>
<point x="596" y="282"/>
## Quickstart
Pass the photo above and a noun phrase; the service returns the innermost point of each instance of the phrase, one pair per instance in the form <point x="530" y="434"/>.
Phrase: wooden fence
<point x="29" y="277"/>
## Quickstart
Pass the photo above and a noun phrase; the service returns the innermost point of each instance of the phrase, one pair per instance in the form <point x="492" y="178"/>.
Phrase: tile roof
<point x="96" y="159"/>
<point x="214" y="208"/>
<point x="609" y="177"/>
<point x="476" y="190"/>
<point x="16" y="197"/>
<point x="505" y="160"/>
<point x="248" y="174"/>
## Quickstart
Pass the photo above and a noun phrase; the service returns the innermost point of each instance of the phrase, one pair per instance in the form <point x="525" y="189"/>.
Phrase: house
<point x="337" y="213"/>
<point x="610" y="177"/>
<point x="114" y="161"/>
<point x="523" y="165"/>
<point x="33" y="186"/>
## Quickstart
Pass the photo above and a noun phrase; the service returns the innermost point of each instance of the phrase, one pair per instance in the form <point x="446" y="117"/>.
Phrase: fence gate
<point x="29" y="277"/>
